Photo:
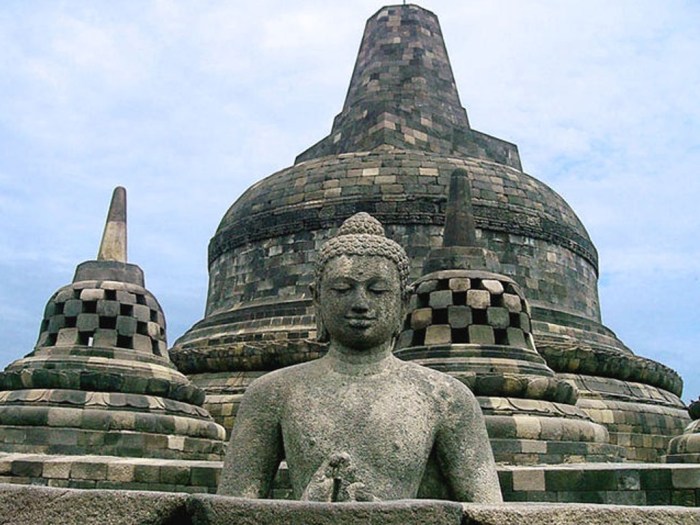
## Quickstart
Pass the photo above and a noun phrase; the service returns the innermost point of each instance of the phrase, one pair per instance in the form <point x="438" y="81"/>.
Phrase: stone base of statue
<point x="24" y="505"/>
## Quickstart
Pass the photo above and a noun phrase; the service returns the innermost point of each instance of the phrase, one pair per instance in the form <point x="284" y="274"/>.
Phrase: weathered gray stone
<point x="360" y="424"/>
<point x="217" y="510"/>
<point x="566" y="514"/>
<point x="30" y="505"/>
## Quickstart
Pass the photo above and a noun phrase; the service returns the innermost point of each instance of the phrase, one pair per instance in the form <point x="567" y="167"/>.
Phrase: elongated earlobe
<point x="322" y="335"/>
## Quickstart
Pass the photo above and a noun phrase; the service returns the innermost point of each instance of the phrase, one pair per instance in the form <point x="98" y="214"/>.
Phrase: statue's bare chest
<point x="382" y="425"/>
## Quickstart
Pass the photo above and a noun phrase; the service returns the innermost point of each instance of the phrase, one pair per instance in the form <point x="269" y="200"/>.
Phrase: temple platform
<point x="601" y="483"/>
<point x="30" y="505"/>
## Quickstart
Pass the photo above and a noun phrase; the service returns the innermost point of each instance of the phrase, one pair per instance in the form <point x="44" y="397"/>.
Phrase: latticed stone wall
<point x="104" y="314"/>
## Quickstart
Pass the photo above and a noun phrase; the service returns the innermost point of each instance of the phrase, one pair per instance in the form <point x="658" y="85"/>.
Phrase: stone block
<point x="67" y="337"/>
<point x="56" y="323"/>
<point x="516" y="337"/>
<point x="125" y="297"/>
<point x="525" y="322"/>
<point x="88" y="471"/>
<point x="628" y="480"/>
<point x="27" y="469"/>
<point x="92" y="294"/>
<point x="494" y="287"/>
<point x="528" y="480"/>
<point x="56" y="469"/>
<point x="512" y="302"/>
<point x="126" y="325"/>
<point x="218" y="510"/>
<point x="655" y="479"/>
<point x="108" y="308"/>
<point x="30" y="505"/>
<point x="142" y="343"/>
<point x="174" y="475"/>
<point x="204" y="476"/>
<point x="142" y="313"/>
<point x="153" y="330"/>
<point x="479" y="299"/>
<point x="427" y="286"/>
<point x="459" y="284"/>
<point x="438" y="334"/>
<point x="528" y="427"/>
<point x="88" y="322"/>
<point x="421" y="318"/>
<point x="405" y="340"/>
<point x="686" y="478"/>
<point x="459" y="316"/>
<point x="685" y="498"/>
<point x="120" y="472"/>
<point x="497" y="317"/>
<point x="105" y="337"/>
<point x="440" y="299"/>
<point x="146" y="473"/>
<point x="481" y="334"/>
<point x="73" y="307"/>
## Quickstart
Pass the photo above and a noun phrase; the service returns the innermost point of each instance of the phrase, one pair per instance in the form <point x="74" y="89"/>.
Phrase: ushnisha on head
<point x="360" y="236"/>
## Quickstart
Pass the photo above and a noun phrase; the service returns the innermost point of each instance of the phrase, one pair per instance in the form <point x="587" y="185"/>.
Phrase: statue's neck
<point x="350" y="361"/>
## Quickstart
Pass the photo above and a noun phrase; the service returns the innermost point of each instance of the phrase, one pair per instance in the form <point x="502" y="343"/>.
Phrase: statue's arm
<point x="464" y="452"/>
<point x="255" y="449"/>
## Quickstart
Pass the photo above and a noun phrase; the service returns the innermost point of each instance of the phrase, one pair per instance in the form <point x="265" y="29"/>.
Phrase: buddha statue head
<point x="361" y="285"/>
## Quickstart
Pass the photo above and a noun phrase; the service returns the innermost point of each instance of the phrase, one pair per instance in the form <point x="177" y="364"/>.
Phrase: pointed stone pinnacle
<point x="459" y="217"/>
<point x="113" y="245"/>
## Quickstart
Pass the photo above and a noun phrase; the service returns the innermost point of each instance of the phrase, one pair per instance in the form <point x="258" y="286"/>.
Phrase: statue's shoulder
<point x="277" y="381"/>
<point x="438" y="384"/>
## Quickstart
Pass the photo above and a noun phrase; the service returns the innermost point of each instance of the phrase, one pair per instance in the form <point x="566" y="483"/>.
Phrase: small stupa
<point x="469" y="320"/>
<point x="99" y="380"/>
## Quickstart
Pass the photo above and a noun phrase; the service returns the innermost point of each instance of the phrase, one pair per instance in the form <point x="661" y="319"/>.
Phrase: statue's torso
<point x="385" y="422"/>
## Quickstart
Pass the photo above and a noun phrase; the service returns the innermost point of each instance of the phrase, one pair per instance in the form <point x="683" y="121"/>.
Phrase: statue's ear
<point x="322" y="335"/>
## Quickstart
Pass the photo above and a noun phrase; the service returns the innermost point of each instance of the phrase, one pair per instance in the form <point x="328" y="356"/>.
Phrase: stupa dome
<point x="391" y="150"/>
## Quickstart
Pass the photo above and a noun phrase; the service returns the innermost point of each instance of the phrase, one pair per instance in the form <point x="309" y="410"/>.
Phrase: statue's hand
<point x="358" y="492"/>
<point x="332" y="480"/>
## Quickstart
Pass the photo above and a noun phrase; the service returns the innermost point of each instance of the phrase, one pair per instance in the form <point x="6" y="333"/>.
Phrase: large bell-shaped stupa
<point x="401" y="133"/>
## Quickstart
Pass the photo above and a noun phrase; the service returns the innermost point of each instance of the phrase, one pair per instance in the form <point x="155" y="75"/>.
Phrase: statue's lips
<point x="360" y="322"/>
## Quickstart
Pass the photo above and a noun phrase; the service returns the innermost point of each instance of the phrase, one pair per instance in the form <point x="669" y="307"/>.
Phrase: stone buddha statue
<point x="359" y="424"/>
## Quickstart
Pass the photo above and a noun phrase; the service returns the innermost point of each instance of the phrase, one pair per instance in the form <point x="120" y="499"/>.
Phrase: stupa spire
<point x="459" y="216"/>
<point x="403" y="95"/>
<point x="460" y="248"/>
<point x="113" y="245"/>
<point x="111" y="261"/>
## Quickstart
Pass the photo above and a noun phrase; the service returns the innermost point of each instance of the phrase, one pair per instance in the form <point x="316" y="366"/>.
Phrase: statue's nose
<point x="360" y="303"/>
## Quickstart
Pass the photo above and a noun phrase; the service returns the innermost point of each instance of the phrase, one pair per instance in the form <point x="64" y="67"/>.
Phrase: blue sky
<point x="188" y="103"/>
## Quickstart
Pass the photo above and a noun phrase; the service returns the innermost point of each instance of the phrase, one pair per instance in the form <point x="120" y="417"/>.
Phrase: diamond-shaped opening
<point x="418" y="337"/>
<point x="479" y="317"/>
<point x="501" y="336"/>
<point x="124" y="341"/>
<point x="89" y="307"/>
<point x="109" y="323"/>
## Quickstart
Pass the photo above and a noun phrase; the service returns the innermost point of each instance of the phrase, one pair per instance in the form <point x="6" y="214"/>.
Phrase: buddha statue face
<point x="359" y="299"/>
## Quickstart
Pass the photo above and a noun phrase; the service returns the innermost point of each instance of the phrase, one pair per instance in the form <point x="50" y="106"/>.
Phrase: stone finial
<point x="111" y="262"/>
<point x="459" y="217"/>
<point x="460" y="249"/>
<point x="113" y="245"/>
